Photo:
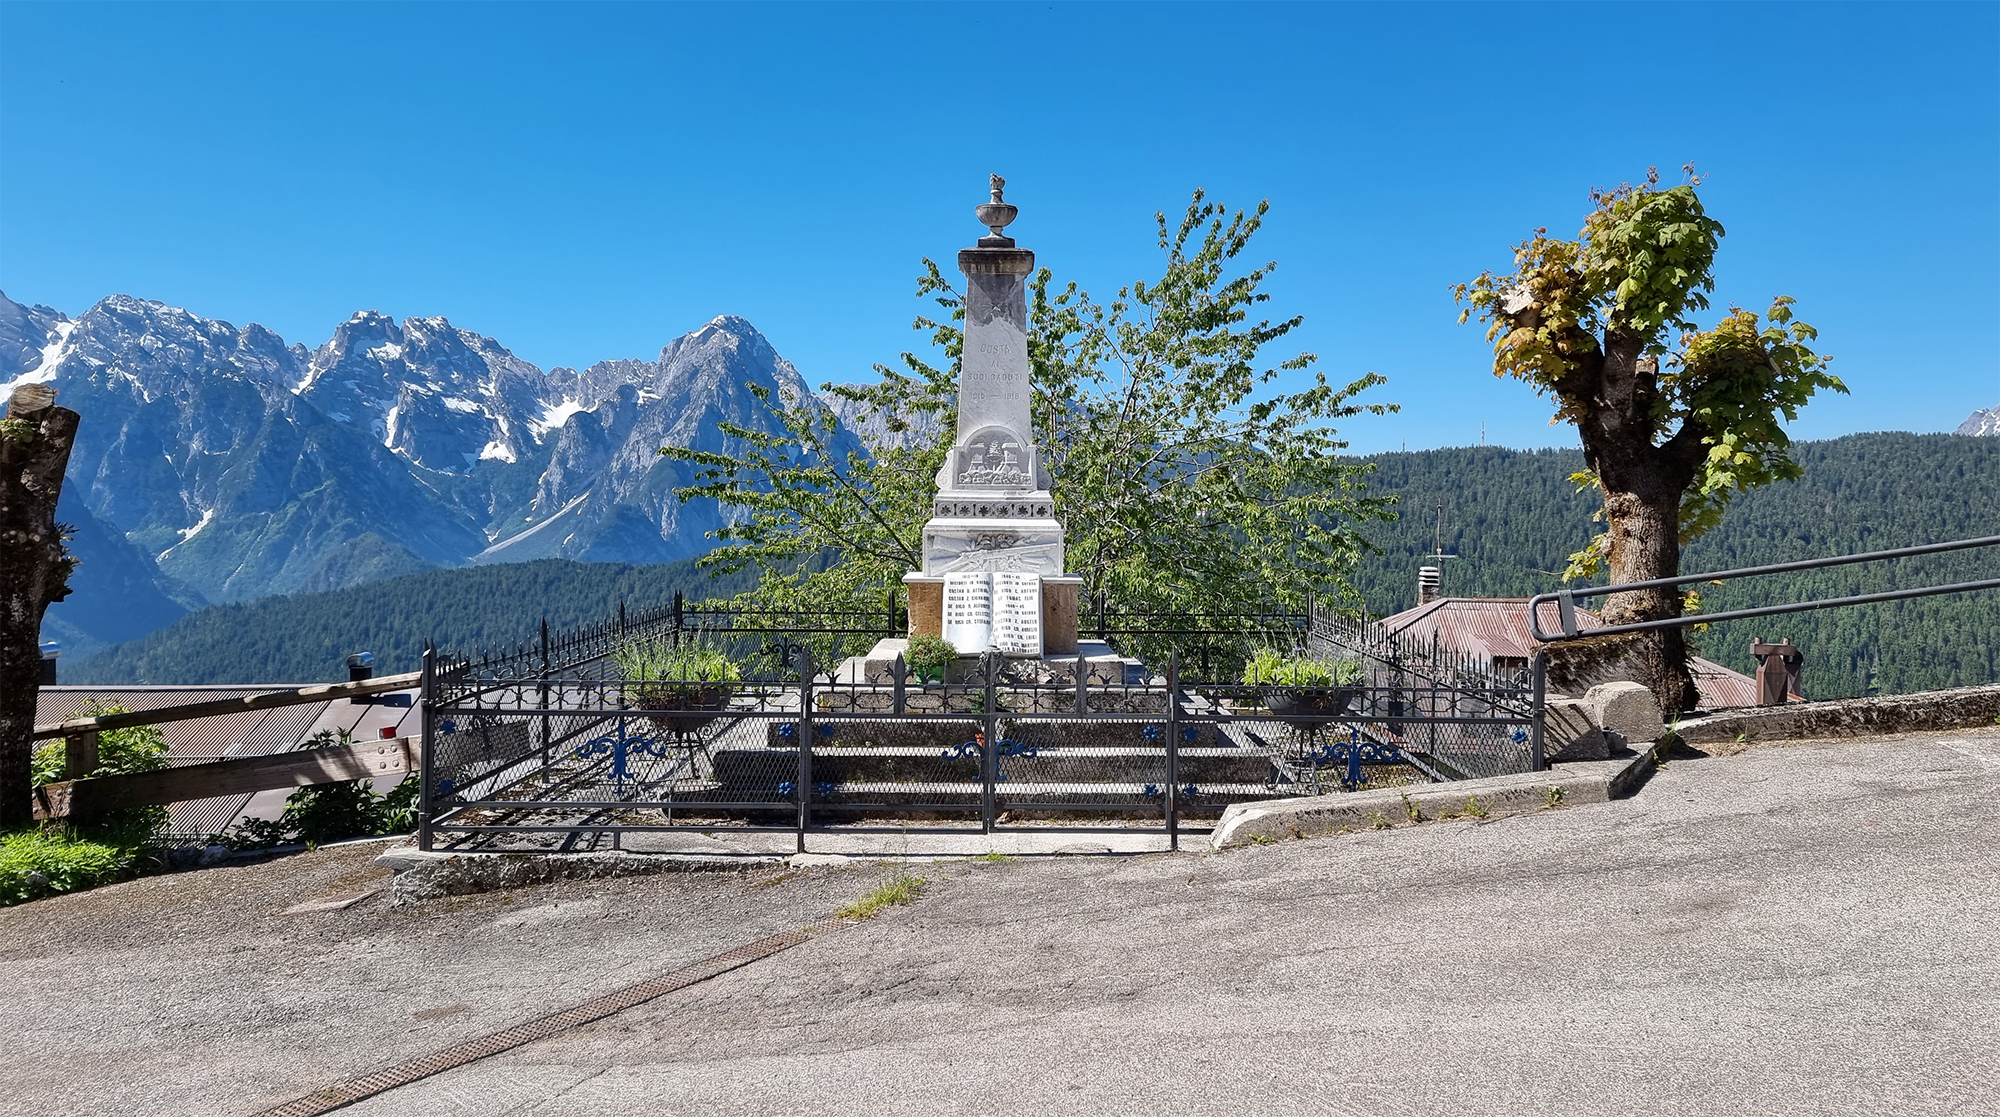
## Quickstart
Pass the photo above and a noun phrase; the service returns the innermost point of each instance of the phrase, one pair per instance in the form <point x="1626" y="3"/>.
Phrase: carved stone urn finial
<point x="996" y="215"/>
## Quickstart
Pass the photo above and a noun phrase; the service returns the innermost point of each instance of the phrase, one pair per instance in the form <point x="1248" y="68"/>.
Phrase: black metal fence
<point x="547" y="750"/>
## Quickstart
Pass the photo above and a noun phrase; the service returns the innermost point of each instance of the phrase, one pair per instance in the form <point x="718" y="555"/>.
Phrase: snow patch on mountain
<point x="1984" y="422"/>
<point x="44" y="364"/>
<point x="554" y="415"/>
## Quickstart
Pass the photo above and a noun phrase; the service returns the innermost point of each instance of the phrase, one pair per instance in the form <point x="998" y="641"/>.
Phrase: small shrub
<point x="929" y="656"/>
<point x="649" y="660"/>
<point x="329" y="812"/>
<point x="903" y="888"/>
<point x="36" y="863"/>
<point x="1270" y="667"/>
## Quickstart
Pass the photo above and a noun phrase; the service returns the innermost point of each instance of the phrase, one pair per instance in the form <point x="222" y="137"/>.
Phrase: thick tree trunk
<point x="1645" y="544"/>
<point x="1642" y="484"/>
<point x="34" y="573"/>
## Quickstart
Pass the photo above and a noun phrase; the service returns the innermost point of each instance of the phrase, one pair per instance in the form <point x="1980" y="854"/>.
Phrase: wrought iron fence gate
<point x="553" y="747"/>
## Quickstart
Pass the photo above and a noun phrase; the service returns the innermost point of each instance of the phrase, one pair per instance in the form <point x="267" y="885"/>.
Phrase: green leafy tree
<point x="1672" y="427"/>
<point x="1187" y="481"/>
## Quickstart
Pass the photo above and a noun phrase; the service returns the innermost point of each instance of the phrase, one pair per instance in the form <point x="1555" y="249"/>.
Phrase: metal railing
<point x="1028" y="744"/>
<point x="1565" y="600"/>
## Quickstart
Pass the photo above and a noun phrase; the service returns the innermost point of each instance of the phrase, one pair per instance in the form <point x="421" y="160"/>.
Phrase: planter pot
<point x="682" y="710"/>
<point x="1313" y="701"/>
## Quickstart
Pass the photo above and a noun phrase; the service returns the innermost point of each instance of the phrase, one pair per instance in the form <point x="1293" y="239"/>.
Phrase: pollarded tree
<point x="1672" y="427"/>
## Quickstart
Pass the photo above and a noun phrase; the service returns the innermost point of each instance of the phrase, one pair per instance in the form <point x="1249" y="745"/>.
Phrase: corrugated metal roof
<point x="1497" y="627"/>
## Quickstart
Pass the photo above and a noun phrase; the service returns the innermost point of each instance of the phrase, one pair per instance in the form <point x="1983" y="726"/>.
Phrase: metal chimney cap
<point x="361" y="659"/>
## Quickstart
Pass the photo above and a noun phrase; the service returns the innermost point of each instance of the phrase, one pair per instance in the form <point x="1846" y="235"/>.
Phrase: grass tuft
<point x="903" y="888"/>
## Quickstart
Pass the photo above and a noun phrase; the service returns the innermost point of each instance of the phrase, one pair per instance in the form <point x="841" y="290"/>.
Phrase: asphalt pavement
<point x="1801" y="929"/>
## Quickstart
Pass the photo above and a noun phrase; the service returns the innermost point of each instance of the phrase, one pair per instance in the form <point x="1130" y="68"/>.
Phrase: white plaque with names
<point x="968" y="611"/>
<point x="993" y="609"/>
<point x="1017" y="612"/>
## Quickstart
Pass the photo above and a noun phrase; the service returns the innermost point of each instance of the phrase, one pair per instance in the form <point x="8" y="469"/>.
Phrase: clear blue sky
<point x="587" y="182"/>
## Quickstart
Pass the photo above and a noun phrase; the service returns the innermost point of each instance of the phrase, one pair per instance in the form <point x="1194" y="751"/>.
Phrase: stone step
<point x="933" y="765"/>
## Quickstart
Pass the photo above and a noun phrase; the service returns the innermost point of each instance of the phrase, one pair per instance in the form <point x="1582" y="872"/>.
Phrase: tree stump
<point x="35" y="441"/>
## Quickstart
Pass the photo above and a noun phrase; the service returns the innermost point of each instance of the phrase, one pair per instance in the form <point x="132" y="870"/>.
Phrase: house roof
<point x="1497" y="627"/>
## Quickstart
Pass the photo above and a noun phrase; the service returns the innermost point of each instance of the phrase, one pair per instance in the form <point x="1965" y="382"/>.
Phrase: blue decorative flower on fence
<point x="1190" y="732"/>
<point x="1151" y="733"/>
<point x="1152" y="791"/>
<point x="1190" y="791"/>
<point x="823" y="788"/>
<point x="1520" y="736"/>
<point x="620" y="746"/>
<point x="444" y="786"/>
<point x="786" y="788"/>
<point x="788" y="731"/>
<point x="447" y="726"/>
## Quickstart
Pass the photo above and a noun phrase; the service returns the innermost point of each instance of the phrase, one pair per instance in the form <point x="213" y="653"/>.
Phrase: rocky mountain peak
<point x="1984" y="422"/>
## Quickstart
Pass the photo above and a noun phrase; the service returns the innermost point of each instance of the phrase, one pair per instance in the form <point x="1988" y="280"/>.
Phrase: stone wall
<point x="1963" y="708"/>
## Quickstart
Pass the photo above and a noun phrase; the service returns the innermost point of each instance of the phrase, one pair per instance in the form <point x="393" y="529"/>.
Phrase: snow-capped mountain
<point x="1985" y="422"/>
<point x="221" y="463"/>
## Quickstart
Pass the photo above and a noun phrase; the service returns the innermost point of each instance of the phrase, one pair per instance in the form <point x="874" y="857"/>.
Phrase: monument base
<point x="1059" y="610"/>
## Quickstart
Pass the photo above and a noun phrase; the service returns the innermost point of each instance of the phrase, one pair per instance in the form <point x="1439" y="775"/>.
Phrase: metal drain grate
<point x="458" y="1054"/>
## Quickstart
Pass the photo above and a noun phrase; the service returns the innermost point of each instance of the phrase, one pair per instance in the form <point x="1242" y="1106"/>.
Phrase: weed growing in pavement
<point x="1262" y="840"/>
<point x="1554" y="795"/>
<point x="1410" y="807"/>
<point x="992" y="855"/>
<point x="1378" y="821"/>
<point x="1473" y="807"/>
<point x="902" y="888"/>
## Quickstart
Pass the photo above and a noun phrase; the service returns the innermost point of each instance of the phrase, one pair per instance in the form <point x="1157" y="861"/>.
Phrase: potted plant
<point x="1310" y="686"/>
<point x="929" y="657"/>
<point x="689" y="684"/>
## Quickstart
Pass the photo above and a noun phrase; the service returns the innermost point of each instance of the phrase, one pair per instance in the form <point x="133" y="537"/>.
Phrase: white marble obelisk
<point x="993" y="514"/>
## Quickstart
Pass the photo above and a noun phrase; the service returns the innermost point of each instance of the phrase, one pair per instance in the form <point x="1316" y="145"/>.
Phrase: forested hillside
<point x="306" y="638"/>
<point x="1513" y="517"/>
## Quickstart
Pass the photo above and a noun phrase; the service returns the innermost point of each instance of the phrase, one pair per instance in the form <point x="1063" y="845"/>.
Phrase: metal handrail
<point x="1565" y="600"/>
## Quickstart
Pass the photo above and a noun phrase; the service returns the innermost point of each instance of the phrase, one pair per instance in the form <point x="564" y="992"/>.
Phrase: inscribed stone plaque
<point x="1017" y="612"/>
<point x="968" y="611"/>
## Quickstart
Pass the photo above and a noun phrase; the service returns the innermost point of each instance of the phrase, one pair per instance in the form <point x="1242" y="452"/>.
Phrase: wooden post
<point x="80" y="755"/>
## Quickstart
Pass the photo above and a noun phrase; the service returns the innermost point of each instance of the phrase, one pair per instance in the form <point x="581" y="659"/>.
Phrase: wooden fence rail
<point x="270" y="700"/>
<point x="88" y="798"/>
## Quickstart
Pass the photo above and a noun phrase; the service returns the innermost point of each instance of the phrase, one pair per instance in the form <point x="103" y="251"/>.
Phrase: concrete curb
<point x="428" y="876"/>
<point x="1590" y="781"/>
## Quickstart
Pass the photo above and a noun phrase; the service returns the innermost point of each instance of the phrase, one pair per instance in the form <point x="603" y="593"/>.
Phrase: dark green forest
<point x="1513" y="517"/>
<point x="305" y="638"/>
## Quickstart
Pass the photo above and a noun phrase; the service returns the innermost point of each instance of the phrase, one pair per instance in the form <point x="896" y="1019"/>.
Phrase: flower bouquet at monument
<point x="1310" y="686"/>
<point x="685" y="686"/>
